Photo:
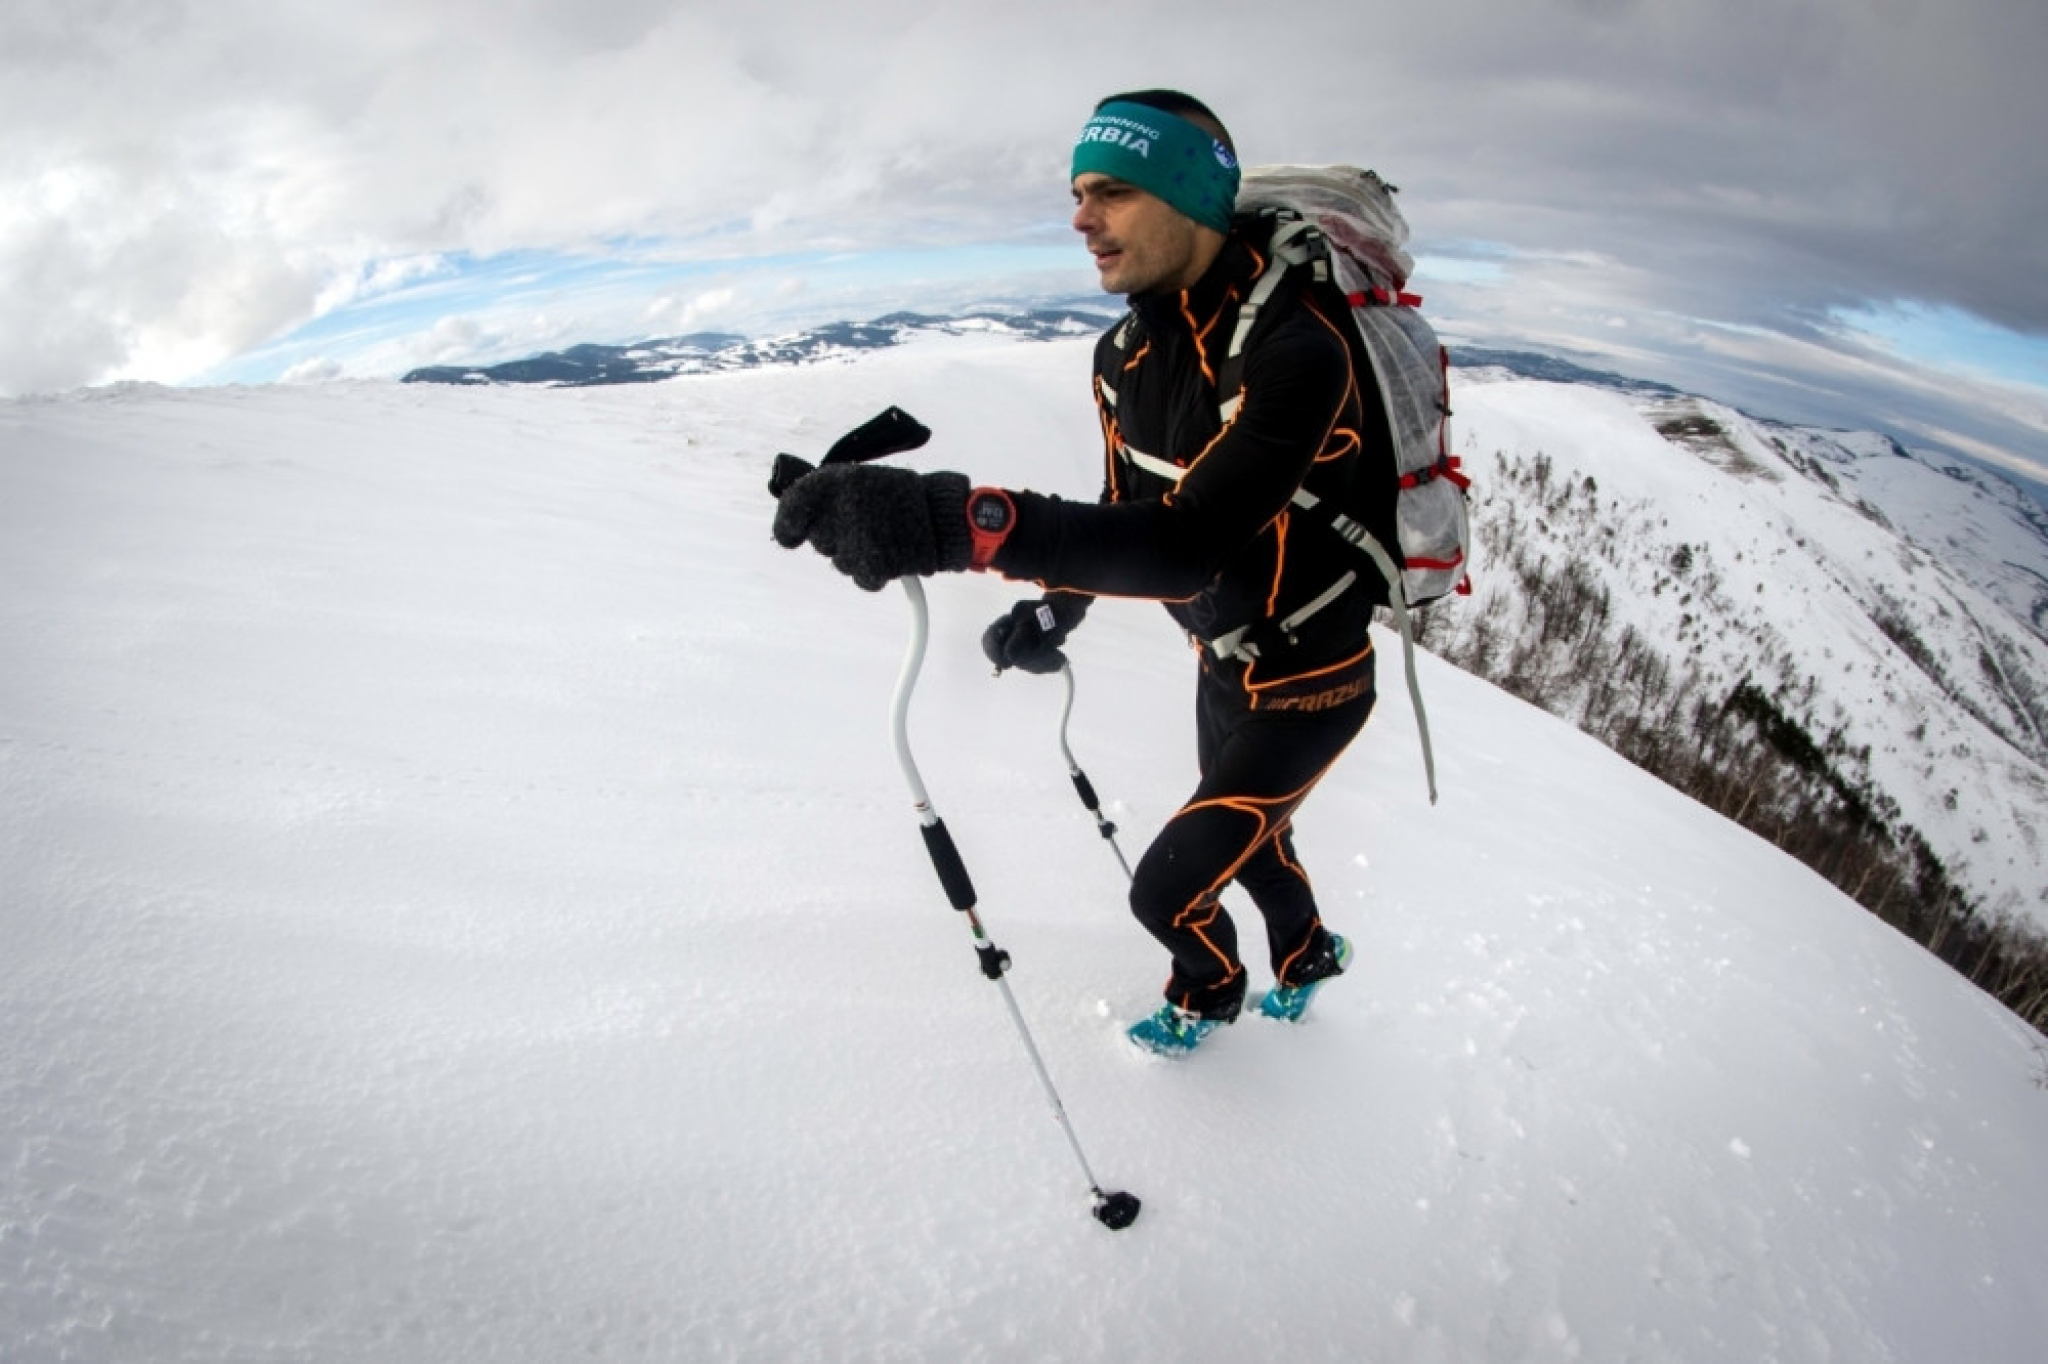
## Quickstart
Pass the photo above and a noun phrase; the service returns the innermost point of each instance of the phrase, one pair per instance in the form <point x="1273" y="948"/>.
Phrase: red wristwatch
<point x="990" y="514"/>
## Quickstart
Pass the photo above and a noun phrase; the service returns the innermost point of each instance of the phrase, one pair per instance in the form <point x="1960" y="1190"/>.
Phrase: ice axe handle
<point x="889" y="432"/>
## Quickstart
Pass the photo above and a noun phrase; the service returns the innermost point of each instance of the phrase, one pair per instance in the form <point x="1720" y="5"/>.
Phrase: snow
<point x="461" y="904"/>
<point x="1793" y="573"/>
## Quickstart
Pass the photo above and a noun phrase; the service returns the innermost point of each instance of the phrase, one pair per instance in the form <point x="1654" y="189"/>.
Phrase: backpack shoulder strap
<point x="1296" y="244"/>
<point x="1110" y="359"/>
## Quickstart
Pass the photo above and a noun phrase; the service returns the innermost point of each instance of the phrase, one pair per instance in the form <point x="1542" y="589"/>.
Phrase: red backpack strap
<point x="1384" y="298"/>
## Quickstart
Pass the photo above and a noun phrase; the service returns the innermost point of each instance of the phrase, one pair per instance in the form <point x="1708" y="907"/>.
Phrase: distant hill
<point x="1525" y="364"/>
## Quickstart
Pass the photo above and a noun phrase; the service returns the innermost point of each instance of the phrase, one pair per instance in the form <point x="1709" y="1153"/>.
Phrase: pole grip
<point x="1085" y="789"/>
<point x="946" y="861"/>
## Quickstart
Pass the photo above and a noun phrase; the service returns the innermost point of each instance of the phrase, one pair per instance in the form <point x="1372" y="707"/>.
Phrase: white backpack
<point x="1341" y="223"/>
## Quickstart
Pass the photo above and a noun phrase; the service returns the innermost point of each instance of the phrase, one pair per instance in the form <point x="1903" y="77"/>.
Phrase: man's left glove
<point x="1030" y="635"/>
<point x="876" y="522"/>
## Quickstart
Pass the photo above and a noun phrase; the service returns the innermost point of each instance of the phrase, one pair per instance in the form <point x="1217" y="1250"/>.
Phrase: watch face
<point x="990" y="513"/>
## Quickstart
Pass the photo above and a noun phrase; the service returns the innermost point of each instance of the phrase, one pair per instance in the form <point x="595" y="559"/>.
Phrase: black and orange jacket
<point x="1221" y="546"/>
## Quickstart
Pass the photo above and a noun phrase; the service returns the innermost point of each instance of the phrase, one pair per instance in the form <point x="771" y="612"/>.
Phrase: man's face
<point x="1140" y="243"/>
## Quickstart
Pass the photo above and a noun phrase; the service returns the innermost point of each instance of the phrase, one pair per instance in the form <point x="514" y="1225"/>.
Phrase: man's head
<point x="1155" y="180"/>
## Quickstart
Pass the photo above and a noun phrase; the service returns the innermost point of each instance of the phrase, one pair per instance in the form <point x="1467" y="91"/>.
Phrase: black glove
<point x="876" y="522"/>
<point x="1029" y="637"/>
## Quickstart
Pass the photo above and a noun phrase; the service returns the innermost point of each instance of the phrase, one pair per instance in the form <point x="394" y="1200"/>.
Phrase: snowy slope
<point x="460" y="904"/>
<point x="1881" y="598"/>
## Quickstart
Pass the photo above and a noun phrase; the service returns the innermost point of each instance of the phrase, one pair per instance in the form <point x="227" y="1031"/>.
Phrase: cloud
<point x="667" y="315"/>
<point x="320" y="370"/>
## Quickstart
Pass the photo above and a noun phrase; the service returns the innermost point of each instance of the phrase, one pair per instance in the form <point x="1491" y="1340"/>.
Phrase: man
<point x="1196" y="512"/>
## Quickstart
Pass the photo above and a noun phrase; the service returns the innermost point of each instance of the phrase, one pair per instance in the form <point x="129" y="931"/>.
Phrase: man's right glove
<point x="873" y="521"/>
<point x="1029" y="637"/>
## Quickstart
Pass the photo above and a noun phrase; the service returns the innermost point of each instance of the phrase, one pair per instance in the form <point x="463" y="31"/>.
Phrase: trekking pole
<point x="1114" y="1210"/>
<point x="1082" y="786"/>
<point x="889" y="433"/>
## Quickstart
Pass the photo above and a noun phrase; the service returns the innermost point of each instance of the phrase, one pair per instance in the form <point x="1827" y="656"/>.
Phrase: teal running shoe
<point x="1172" y="1031"/>
<point x="1289" y="1002"/>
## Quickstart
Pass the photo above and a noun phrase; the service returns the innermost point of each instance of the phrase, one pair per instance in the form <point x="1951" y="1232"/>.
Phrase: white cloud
<point x="317" y="371"/>
<point x="672" y="315"/>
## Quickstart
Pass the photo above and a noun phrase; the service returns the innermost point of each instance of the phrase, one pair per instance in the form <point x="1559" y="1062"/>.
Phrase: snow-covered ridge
<point x="459" y="903"/>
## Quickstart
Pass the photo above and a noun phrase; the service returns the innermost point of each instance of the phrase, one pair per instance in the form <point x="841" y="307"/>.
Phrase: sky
<point x="1826" y="212"/>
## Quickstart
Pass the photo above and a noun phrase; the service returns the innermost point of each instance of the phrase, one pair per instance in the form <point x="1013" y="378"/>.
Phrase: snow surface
<point x="460" y="904"/>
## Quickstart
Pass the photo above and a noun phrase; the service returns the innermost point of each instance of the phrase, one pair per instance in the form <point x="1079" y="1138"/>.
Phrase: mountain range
<point x="661" y="358"/>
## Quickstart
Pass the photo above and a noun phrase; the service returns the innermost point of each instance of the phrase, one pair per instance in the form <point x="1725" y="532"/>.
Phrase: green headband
<point x="1163" y="155"/>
